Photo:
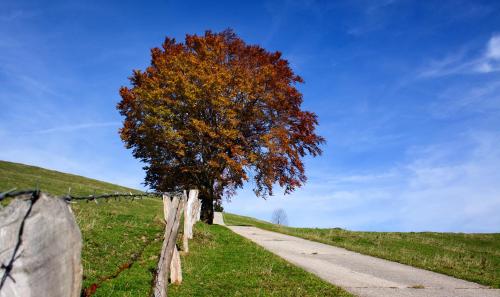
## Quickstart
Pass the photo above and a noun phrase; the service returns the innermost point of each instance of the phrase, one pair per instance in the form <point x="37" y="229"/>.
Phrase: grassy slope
<point x="222" y="263"/>
<point x="122" y="240"/>
<point x="28" y="177"/>
<point x="474" y="257"/>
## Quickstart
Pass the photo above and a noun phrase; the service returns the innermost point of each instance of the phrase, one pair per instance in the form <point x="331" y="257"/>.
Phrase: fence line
<point x="47" y="230"/>
<point x="14" y="193"/>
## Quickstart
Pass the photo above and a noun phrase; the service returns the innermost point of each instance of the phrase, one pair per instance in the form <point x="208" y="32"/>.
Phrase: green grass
<point x="25" y="177"/>
<point x="122" y="242"/>
<point x="222" y="263"/>
<point x="474" y="257"/>
<point x="121" y="239"/>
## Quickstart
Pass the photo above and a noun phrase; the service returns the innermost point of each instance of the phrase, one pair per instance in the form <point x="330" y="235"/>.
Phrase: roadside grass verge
<point x="222" y="263"/>
<point x="473" y="257"/>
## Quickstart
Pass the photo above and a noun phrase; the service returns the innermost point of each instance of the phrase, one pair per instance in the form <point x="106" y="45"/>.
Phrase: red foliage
<point x="212" y="112"/>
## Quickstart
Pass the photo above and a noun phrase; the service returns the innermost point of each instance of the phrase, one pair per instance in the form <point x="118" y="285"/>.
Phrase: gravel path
<point x="360" y="274"/>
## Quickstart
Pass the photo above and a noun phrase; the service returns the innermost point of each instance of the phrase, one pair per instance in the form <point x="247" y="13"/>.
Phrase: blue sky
<point x="407" y="94"/>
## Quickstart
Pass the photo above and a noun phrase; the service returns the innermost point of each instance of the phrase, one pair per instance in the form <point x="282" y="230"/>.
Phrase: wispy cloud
<point x="459" y="100"/>
<point x="373" y="17"/>
<point x="491" y="60"/>
<point x="461" y="63"/>
<point x="72" y="128"/>
<point x="437" y="189"/>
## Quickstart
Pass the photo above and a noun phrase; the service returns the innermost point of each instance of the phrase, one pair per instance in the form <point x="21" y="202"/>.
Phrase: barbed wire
<point x="70" y="198"/>
<point x="33" y="197"/>
<point x="14" y="193"/>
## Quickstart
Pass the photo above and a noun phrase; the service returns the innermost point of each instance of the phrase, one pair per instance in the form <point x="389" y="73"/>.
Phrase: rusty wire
<point x="69" y="198"/>
<point x="35" y="194"/>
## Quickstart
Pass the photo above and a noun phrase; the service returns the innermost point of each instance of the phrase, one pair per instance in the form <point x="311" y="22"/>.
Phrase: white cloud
<point x="461" y="63"/>
<point x="437" y="190"/>
<point x="464" y="196"/>
<point x="491" y="60"/>
<point x="493" y="51"/>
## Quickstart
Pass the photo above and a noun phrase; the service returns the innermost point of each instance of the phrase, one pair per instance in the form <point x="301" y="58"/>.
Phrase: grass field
<point x="474" y="257"/>
<point x="122" y="241"/>
<point x="222" y="263"/>
<point x="25" y="177"/>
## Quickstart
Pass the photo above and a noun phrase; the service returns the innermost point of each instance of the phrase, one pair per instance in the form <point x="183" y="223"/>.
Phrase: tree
<point x="213" y="112"/>
<point x="279" y="217"/>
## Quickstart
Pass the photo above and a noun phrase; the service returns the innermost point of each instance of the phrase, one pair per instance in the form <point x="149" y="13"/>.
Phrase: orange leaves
<point x="209" y="111"/>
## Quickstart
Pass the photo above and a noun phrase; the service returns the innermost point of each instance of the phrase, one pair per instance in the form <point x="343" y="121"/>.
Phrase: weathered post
<point x="195" y="211"/>
<point x="189" y="219"/>
<point x="175" y="265"/>
<point x="173" y="208"/>
<point x="175" y="268"/>
<point x="40" y="248"/>
<point x="198" y="214"/>
<point x="187" y="223"/>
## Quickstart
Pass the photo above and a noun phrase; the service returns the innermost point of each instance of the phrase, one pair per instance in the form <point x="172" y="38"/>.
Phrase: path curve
<point x="362" y="275"/>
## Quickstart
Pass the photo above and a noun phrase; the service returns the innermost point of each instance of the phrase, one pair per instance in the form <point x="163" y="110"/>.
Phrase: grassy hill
<point x="122" y="242"/>
<point x="474" y="257"/>
<point x="51" y="181"/>
<point x="121" y="239"/>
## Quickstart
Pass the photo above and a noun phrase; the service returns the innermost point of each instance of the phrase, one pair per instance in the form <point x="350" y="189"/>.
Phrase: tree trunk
<point x="207" y="209"/>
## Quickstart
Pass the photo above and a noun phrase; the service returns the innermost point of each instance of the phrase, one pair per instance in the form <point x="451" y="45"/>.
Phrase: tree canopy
<point x="213" y="112"/>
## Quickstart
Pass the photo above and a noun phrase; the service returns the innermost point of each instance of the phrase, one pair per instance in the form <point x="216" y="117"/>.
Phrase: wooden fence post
<point x="175" y="265"/>
<point x="40" y="248"/>
<point x="176" y="268"/>
<point x="187" y="222"/>
<point x="198" y="210"/>
<point x="189" y="219"/>
<point x="173" y="209"/>
<point x="194" y="211"/>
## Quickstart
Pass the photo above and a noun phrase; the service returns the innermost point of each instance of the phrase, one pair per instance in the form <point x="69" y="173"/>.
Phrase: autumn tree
<point x="214" y="112"/>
